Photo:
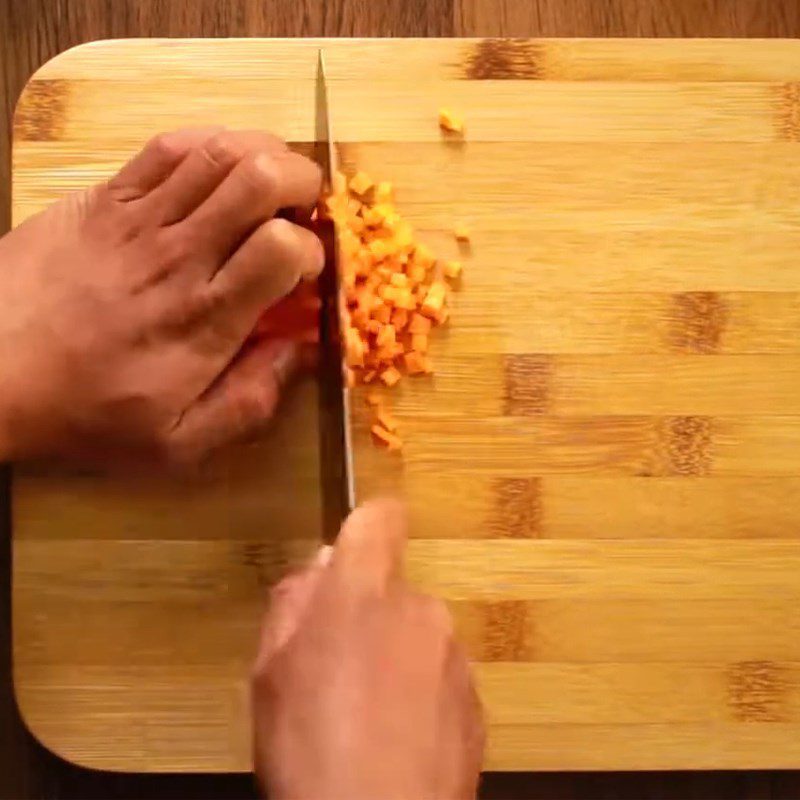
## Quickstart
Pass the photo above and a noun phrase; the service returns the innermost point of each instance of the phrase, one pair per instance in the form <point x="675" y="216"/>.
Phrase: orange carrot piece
<point x="361" y="183"/>
<point x="461" y="232"/>
<point x="449" y="121"/>
<point x="386" y="336"/>
<point x="386" y="438"/>
<point x="399" y="318"/>
<point x="373" y="399"/>
<point x="382" y="313"/>
<point x="390" y="376"/>
<point x="386" y="420"/>
<point x="419" y="324"/>
<point x="413" y="362"/>
<point x="419" y="342"/>
<point x="399" y="280"/>
<point x="452" y="269"/>
<point x="434" y="299"/>
<point x="383" y="192"/>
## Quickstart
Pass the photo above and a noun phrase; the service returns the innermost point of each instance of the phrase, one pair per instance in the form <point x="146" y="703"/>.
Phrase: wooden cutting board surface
<point x="604" y="474"/>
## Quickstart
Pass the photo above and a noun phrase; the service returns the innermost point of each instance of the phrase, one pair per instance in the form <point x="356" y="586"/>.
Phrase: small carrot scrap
<point x="419" y="324"/>
<point x="386" y="420"/>
<point x="386" y="438"/>
<point x="373" y="399"/>
<point x="414" y="363"/>
<point x="461" y="232"/>
<point x="449" y="121"/>
<point x="452" y="269"/>
<point x="361" y="183"/>
<point x="390" y="376"/>
<point x="383" y="192"/>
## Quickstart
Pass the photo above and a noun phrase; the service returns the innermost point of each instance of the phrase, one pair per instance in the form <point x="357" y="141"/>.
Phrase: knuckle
<point x="280" y="234"/>
<point x="164" y="145"/>
<point x="174" y="248"/>
<point x="251" y="409"/>
<point x="222" y="149"/>
<point x="260" y="171"/>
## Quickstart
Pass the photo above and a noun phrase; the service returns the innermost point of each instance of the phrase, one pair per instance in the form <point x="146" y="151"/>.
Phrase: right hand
<point x="360" y="691"/>
<point x="126" y="307"/>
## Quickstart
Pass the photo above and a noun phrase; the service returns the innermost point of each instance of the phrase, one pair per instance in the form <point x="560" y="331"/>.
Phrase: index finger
<point x="368" y="556"/>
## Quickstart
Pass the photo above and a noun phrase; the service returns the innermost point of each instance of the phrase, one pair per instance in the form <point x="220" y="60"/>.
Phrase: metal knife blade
<point x="336" y="450"/>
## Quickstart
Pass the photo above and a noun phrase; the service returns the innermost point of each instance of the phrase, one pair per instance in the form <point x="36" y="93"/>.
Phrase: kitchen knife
<point x="336" y="451"/>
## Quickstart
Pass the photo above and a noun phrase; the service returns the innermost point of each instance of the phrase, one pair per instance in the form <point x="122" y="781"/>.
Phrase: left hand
<point x="127" y="306"/>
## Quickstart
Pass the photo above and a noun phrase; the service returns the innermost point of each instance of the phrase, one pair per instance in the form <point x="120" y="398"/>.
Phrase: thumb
<point x="369" y="551"/>
<point x="239" y="404"/>
<point x="289" y="601"/>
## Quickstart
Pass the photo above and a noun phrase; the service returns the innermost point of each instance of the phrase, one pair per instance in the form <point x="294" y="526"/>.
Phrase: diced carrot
<point x="434" y="299"/>
<point x="452" y="269"/>
<point x="449" y="121"/>
<point x="360" y="318"/>
<point x="419" y="324"/>
<point x="404" y="299"/>
<point x="354" y="348"/>
<point x="417" y="274"/>
<point x="395" y="291"/>
<point x="383" y="192"/>
<point x="386" y="438"/>
<point x="390" y="376"/>
<point x="386" y="336"/>
<point x="414" y="363"/>
<point x="399" y="318"/>
<point x="378" y="250"/>
<point x="386" y="420"/>
<point x="361" y="183"/>
<point x="399" y="279"/>
<point x="423" y="256"/>
<point x="419" y="342"/>
<point x="382" y="313"/>
<point x="371" y="219"/>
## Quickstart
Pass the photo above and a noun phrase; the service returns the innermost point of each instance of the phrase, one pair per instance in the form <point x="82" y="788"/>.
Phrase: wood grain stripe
<point x="787" y="112"/>
<point x="757" y="692"/>
<point x="527" y="384"/>
<point x="697" y="322"/>
<point x="503" y="59"/>
<point x="684" y="446"/>
<point x="505" y="631"/>
<point x="40" y="112"/>
<point x="517" y="509"/>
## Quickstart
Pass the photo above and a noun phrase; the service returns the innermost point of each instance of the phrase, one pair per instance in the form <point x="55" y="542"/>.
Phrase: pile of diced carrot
<point x="396" y="291"/>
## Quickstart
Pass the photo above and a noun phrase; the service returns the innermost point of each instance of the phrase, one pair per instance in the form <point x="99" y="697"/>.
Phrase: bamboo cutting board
<point x="604" y="474"/>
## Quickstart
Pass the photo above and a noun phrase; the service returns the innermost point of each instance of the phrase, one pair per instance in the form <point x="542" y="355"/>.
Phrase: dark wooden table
<point x="31" y="31"/>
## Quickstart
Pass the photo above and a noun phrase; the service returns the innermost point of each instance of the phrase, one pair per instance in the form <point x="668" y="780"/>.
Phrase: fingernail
<point x="323" y="556"/>
<point x="285" y="360"/>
